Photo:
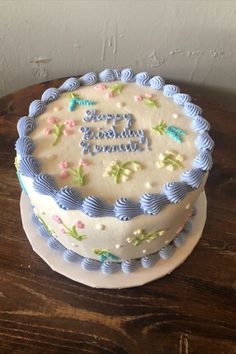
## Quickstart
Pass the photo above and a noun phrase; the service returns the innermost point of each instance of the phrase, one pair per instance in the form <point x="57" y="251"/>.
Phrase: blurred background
<point x="190" y="42"/>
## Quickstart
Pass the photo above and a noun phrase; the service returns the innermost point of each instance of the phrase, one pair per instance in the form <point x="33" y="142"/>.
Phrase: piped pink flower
<point x="63" y="164"/>
<point x="66" y="132"/>
<point x="100" y="87"/>
<point x="70" y="123"/>
<point x="83" y="162"/>
<point x="47" y="131"/>
<point x="52" y="120"/>
<point x="64" y="174"/>
<point x="109" y="95"/>
<point x="79" y="225"/>
<point x="57" y="219"/>
<point x="63" y="231"/>
<point x="137" y="98"/>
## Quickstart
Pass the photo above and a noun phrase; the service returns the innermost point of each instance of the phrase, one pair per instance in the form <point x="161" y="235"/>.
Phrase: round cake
<point x="113" y="164"/>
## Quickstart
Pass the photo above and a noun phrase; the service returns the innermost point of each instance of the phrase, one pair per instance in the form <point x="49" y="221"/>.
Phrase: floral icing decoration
<point x="53" y="120"/>
<point x="70" y="123"/>
<point x="99" y="87"/>
<point x="49" y="231"/>
<point x="171" y="160"/>
<point x="79" y="225"/>
<point x="137" y="98"/>
<point x="75" y="100"/>
<point x="63" y="164"/>
<point x="147" y="99"/>
<point x="121" y="171"/>
<point x="58" y="129"/>
<point x="67" y="132"/>
<point x="109" y="95"/>
<point x="113" y="89"/>
<point x="64" y="174"/>
<point x="76" y="173"/>
<point x="141" y="235"/>
<point x="47" y="131"/>
<point x="71" y="231"/>
<point x="105" y="255"/>
<point x="116" y="88"/>
<point x="173" y="132"/>
<point x="150" y="102"/>
<point x="83" y="162"/>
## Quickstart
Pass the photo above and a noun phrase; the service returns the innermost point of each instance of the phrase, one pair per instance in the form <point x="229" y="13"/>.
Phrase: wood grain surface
<point x="190" y="311"/>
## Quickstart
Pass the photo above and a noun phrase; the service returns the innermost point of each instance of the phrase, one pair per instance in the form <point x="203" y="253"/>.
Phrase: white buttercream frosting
<point x="144" y="117"/>
<point x="149" y="177"/>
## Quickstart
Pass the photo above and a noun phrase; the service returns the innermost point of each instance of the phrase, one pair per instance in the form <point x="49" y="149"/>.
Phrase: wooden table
<point x="189" y="311"/>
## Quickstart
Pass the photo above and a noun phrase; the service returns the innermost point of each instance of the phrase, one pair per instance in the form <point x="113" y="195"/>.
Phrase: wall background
<point x="184" y="41"/>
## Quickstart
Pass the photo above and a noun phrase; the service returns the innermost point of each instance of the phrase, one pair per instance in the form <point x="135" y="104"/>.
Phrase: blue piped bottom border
<point x="109" y="267"/>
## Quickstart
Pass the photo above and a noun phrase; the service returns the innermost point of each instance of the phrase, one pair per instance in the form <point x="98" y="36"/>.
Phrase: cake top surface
<point x="88" y="130"/>
<point x="112" y="136"/>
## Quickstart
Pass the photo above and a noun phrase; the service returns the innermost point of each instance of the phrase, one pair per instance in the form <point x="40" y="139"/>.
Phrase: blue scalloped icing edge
<point x="109" y="267"/>
<point x="123" y="209"/>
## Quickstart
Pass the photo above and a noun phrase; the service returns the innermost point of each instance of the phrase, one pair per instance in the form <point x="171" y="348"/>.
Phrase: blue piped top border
<point x="123" y="209"/>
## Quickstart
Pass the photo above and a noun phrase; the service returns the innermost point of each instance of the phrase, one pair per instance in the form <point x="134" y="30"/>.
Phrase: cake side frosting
<point x="132" y="150"/>
<point x="144" y="234"/>
<point x="107" y="264"/>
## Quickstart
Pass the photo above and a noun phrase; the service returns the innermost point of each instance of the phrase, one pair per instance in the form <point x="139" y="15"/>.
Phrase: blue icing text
<point x="113" y="132"/>
<point x="91" y="116"/>
<point x="92" y="149"/>
<point x="101" y="133"/>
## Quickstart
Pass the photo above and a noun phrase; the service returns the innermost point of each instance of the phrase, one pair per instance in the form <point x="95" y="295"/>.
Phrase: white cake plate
<point x="97" y="279"/>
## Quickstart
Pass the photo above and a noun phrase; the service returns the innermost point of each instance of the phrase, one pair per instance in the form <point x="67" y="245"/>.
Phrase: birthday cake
<point x="113" y="164"/>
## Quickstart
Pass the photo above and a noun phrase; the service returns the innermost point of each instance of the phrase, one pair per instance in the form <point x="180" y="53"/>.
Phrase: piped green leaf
<point x="122" y="171"/>
<point x="172" y="131"/>
<point x="116" y="88"/>
<point x="72" y="231"/>
<point x="50" y="232"/>
<point x="160" y="128"/>
<point x="57" y="130"/>
<point x="78" y="175"/>
<point x="142" y="235"/>
<point x="151" y="103"/>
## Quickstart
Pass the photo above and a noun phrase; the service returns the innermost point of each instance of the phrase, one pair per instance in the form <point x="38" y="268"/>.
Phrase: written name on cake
<point x="137" y="141"/>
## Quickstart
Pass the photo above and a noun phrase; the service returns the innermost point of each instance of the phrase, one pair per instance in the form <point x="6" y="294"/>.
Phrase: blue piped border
<point x="123" y="209"/>
<point x="109" y="267"/>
